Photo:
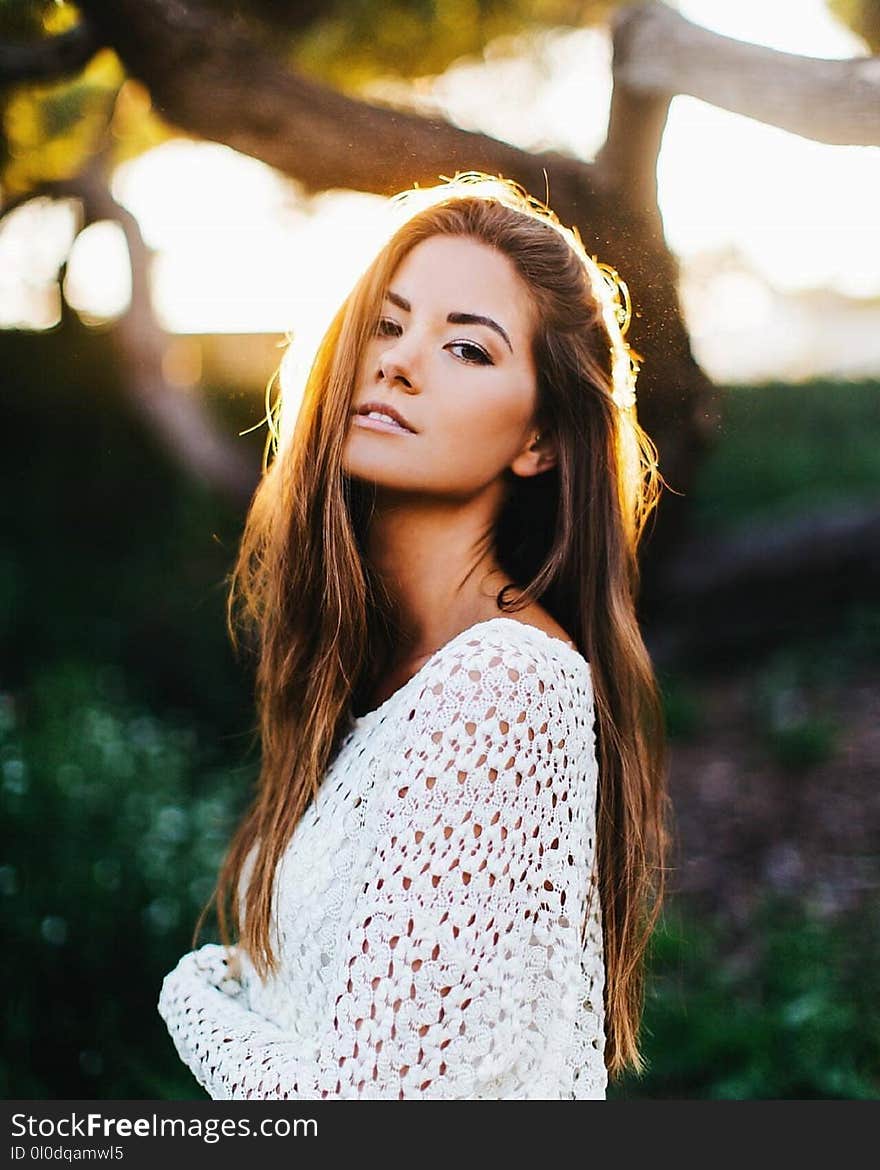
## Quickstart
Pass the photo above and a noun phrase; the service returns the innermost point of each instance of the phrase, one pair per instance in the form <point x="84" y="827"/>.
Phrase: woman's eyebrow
<point x="454" y="318"/>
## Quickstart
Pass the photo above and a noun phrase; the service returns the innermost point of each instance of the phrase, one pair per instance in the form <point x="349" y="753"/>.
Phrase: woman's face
<point x="452" y="355"/>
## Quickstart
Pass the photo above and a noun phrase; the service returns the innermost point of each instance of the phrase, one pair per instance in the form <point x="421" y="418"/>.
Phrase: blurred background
<point x="186" y="190"/>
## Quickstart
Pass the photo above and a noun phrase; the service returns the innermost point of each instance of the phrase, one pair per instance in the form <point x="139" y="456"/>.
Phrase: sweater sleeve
<point x="460" y="960"/>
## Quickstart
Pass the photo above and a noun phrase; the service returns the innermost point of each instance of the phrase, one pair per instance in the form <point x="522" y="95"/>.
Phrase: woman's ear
<point x="538" y="454"/>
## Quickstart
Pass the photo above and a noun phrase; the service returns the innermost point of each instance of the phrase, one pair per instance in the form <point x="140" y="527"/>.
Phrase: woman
<point x="449" y="874"/>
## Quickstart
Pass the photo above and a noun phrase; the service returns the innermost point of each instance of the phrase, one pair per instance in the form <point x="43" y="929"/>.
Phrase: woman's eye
<point x="468" y="351"/>
<point x="472" y="353"/>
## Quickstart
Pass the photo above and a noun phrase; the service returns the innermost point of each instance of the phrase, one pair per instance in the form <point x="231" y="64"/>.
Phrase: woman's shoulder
<point x="535" y="633"/>
<point x="536" y="616"/>
<point x="497" y="655"/>
<point x="502" y="689"/>
<point x="494" y="653"/>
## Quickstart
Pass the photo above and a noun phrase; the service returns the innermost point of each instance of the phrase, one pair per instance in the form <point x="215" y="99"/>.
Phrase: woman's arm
<point x="460" y="964"/>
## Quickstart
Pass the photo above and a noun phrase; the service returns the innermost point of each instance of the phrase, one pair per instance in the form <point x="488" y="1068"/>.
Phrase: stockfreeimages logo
<point x="209" y="1129"/>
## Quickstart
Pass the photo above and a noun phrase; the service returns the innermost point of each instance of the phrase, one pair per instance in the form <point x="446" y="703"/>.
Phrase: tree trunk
<point x="210" y="77"/>
<point x="180" y="420"/>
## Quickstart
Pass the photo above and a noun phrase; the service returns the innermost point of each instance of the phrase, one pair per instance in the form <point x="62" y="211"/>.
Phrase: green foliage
<point x="790" y="687"/>
<point x="51" y="131"/>
<point x="120" y="822"/>
<point x="111" y="554"/>
<point x="681" y="706"/>
<point x="24" y="20"/>
<point x="787" y="707"/>
<point x="47" y="131"/>
<point x="355" y="41"/>
<point x="126" y="751"/>
<point x="784" y="448"/>
<point x="790" y="1011"/>
<point x="802" y="743"/>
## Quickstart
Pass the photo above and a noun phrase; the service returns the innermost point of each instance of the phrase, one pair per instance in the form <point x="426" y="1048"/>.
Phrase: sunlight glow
<point x="792" y="26"/>
<point x="556" y="89"/>
<point x="801" y="213"/>
<point x="34" y="240"/>
<point x="239" y="249"/>
<point x="100" y="247"/>
<point x="754" y="214"/>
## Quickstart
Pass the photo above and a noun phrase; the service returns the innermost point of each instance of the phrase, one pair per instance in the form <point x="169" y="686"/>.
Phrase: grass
<point x="783" y="449"/>
<point x="791" y="1011"/>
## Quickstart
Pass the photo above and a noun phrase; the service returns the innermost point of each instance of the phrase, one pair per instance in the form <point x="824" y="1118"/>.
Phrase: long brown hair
<point x="303" y="586"/>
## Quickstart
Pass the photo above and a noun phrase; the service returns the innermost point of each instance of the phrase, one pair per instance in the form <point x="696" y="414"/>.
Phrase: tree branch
<point x="210" y="76"/>
<point x="49" y="59"/>
<point x="722" y="597"/>
<point x="658" y="52"/>
<point x="636" y="122"/>
<point x="179" y="420"/>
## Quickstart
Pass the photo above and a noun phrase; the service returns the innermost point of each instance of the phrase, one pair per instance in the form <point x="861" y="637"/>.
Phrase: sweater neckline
<point x="559" y="646"/>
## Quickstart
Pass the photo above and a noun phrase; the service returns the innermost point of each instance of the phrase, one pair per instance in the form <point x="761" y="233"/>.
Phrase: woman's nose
<point x="394" y="367"/>
<point x="399" y="359"/>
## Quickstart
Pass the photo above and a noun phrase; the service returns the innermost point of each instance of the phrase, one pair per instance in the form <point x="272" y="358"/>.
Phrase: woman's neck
<point x="437" y="564"/>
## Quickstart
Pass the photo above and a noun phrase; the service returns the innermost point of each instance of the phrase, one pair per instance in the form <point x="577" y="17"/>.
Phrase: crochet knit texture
<point x="436" y="913"/>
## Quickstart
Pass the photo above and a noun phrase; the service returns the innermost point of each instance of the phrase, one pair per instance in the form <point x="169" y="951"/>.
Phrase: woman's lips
<point x="379" y="424"/>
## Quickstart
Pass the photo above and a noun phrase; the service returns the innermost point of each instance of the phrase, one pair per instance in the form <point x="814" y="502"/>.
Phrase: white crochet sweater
<point x="436" y="913"/>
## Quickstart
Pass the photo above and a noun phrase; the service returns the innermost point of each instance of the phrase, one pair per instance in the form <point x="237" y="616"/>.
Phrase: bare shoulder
<point x="536" y="615"/>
